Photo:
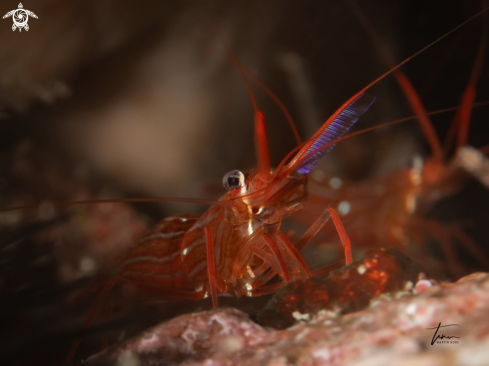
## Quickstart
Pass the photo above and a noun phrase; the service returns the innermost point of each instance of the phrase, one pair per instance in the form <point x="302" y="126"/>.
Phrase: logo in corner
<point x="20" y="17"/>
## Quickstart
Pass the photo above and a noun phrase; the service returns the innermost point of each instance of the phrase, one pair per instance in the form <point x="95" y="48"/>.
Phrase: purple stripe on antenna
<point x="338" y="128"/>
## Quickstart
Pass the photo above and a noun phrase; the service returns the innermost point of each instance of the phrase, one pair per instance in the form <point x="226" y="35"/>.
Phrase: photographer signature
<point x="442" y="336"/>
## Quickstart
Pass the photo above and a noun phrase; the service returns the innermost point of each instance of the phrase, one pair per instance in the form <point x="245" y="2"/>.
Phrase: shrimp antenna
<point x="424" y="49"/>
<point x="334" y="142"/>
<point x="407" y="87"/>
<point x="306" y="159"/>
<point x="265" y="88"/>
<point x="119" y="200"/>
<point x="463" y="116"/>
<point x="330" y="144"/>
<point x="277" y="101"/>
<point x="261" y="142"/>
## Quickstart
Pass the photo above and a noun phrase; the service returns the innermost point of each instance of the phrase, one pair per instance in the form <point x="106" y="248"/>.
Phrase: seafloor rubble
<point x="395" y="328"/>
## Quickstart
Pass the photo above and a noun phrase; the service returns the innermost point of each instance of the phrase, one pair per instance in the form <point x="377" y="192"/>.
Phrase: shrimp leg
<point x="295" y="253"/>
<point x="319" y="223"/>
<point x="276" y="251"/>
<point x="211" y="265"/>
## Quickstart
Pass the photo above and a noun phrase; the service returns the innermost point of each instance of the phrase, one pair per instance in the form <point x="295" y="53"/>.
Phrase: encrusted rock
<point x="393" y="331"/>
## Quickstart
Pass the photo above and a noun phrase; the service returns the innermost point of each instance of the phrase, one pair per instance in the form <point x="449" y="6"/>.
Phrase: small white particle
<point x="250" y="227"/>
<point x="231" y="344"/>
<point x="344" y="208"/>
<point x="475" y="163"/>
<point x="149" y="342"/>
<point x="411" y="309"/>
<point x="174" y="218"/>
<point x="250" y="272"/>
<point x="417" y="170"/>
<point x="361" y="269"/>
<point x="298" y="316"/>
<point x="335" y="183"/>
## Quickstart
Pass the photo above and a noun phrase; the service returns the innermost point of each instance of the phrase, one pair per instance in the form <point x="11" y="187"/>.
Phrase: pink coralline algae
<point x="392" y="329"/>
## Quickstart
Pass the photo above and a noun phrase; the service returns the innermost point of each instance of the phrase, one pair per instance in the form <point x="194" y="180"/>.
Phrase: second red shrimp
<point x="390" y="210"/>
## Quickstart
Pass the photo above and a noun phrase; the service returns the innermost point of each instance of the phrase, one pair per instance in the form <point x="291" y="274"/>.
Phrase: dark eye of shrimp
<point x="233" y="180"/>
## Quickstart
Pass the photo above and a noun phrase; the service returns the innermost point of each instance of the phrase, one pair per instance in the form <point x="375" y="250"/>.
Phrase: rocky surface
<point x="347" y="289"/>
<point x="392" y="330"/>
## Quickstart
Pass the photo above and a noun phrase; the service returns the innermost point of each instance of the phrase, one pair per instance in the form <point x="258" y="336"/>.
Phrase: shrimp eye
<point x="233" y="180"/>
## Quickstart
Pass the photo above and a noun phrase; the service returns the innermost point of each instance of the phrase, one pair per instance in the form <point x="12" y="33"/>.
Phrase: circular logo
<point x="20" y="18"/>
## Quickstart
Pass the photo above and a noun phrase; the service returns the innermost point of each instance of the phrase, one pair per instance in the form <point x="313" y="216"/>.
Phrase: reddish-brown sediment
<point x="391" y="330"/>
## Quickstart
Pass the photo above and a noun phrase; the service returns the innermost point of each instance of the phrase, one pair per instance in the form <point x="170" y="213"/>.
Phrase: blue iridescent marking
<point x="338" y="128"/>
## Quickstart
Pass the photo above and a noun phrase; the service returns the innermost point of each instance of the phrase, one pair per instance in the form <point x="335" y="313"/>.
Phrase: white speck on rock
<point x="361" y="269"/>
<point x="411" y="309"/>
<point x="231" y="344"/>
<point x="322" y="355"/>
<point x="298" y="316"/>
<point x="148" y="343"/>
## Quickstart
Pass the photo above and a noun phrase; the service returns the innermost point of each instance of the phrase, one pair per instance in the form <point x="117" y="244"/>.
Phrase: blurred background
<point x="103" y="99"/>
